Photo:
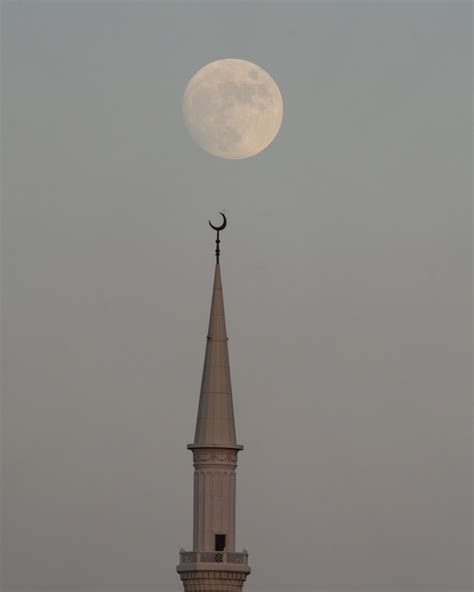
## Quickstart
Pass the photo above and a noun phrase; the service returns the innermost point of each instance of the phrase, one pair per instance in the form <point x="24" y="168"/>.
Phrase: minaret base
<point x="213" y="581"/>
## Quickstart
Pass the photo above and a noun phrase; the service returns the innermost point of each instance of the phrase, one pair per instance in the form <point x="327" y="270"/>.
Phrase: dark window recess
<point x="220" y="542"/>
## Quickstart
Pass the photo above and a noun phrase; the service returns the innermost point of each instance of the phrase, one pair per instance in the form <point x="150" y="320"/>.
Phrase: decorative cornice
<point x="218" y="456"/>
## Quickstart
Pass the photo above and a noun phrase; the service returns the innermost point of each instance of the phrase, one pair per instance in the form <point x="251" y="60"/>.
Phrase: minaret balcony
<point x="213" y="560"/>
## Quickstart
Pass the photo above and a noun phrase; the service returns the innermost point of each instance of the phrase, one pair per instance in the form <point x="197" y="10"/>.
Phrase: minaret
<point x="213" y="564"/>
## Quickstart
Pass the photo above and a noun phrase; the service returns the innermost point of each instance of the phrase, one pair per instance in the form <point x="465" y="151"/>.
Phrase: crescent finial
<point x="222" y="226"/>
<point x="218" y="229"/>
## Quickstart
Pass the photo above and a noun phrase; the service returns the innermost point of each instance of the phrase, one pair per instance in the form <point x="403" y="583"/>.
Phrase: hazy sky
<point x="347" y="280"/>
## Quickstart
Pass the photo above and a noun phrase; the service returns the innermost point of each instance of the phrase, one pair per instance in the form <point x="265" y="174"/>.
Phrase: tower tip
<point x="218" y="229"/>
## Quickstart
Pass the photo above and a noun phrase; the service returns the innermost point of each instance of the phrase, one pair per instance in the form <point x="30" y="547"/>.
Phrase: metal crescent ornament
<point x="222" y="226"/>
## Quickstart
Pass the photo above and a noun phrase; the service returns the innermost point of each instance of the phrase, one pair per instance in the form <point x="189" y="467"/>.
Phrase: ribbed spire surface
<point x="215" y="425"/>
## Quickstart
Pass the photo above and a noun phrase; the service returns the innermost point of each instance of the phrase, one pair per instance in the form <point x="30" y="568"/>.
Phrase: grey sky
<point x="347" y="281"/>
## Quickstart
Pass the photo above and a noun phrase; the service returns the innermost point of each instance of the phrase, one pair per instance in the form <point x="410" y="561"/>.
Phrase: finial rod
<point x="218" y="229"/>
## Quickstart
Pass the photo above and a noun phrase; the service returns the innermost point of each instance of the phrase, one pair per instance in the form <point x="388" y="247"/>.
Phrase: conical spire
<point x="215" y="425"/>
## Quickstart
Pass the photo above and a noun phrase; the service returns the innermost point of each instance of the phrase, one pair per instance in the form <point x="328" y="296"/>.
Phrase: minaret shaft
<point x="214" y="502"/>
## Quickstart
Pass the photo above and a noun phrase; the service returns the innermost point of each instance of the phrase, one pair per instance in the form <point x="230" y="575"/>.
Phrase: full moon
<point x="232" y="108"/>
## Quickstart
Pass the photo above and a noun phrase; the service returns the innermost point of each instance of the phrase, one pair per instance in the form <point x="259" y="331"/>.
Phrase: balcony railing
<point x="213" y="557"/>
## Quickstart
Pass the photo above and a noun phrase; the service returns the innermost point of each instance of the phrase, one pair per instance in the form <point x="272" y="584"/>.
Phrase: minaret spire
<point x="215" y="459"/>
<point x="215" y="426"/>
